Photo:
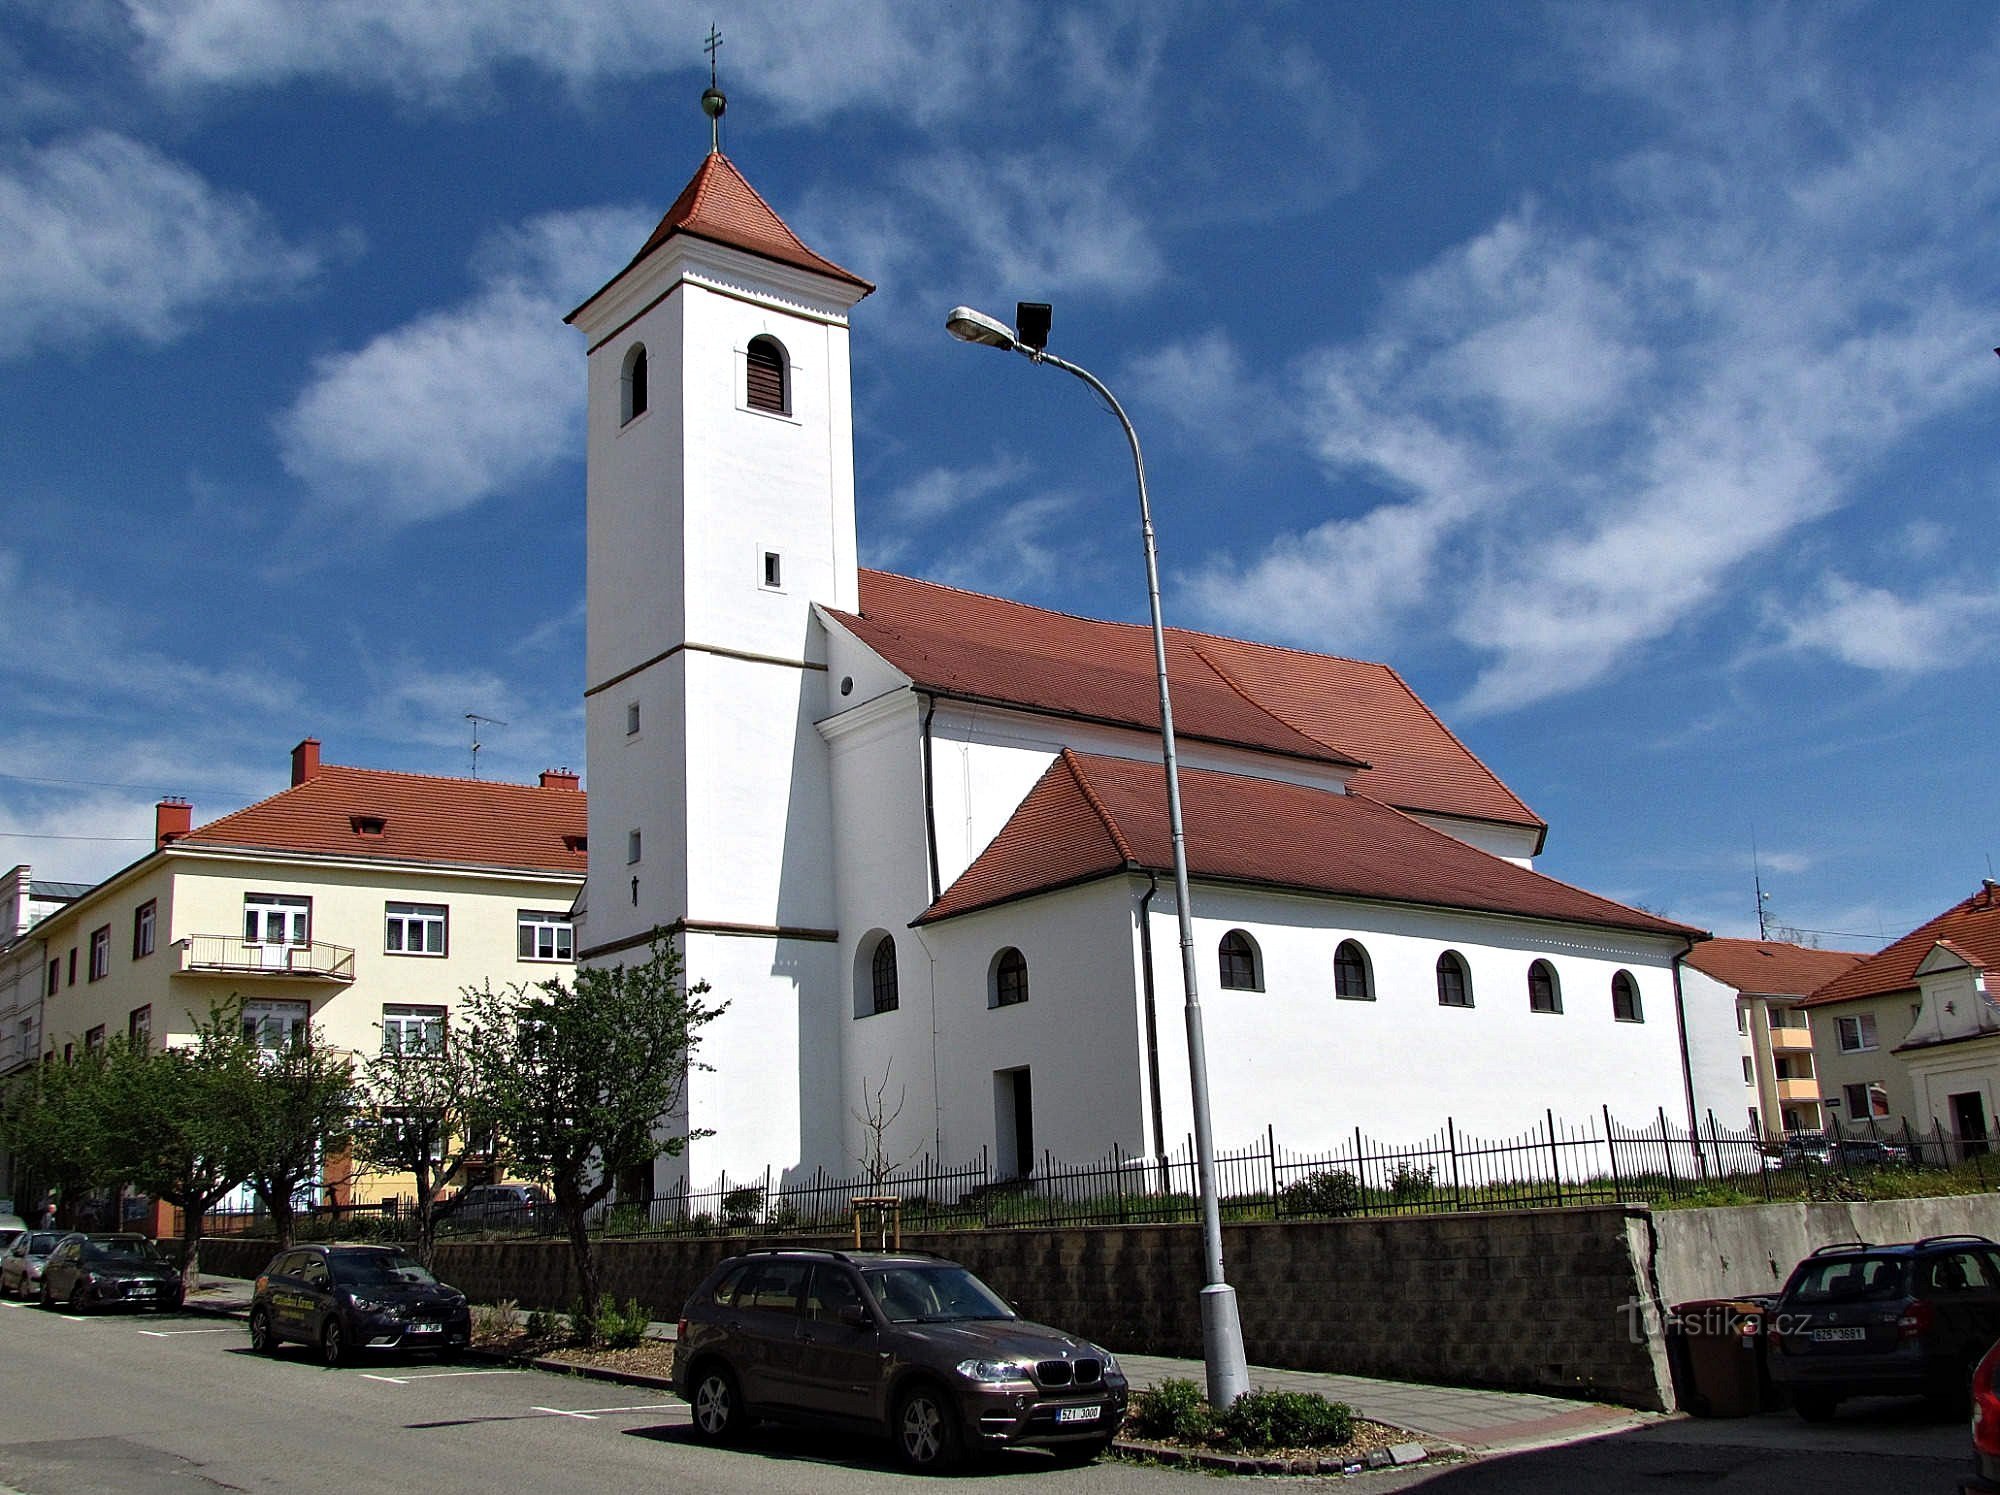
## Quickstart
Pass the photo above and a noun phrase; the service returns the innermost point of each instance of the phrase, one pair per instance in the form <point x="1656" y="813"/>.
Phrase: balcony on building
<point x="1793" y="1091"/>
<point x="232" y="955"/>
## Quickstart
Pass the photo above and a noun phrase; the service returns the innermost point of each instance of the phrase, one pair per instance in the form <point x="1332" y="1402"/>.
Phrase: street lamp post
<point x="1221" y="1329"/>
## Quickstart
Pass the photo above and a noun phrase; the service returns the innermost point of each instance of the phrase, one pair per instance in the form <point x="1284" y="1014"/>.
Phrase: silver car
<point x="21" y="1267"/>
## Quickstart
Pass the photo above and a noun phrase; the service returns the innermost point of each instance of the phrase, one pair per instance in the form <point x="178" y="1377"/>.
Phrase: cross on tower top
<point x="712" y="101"/>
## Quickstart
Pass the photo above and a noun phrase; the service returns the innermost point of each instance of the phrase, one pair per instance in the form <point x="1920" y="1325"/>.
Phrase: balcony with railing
<point x="1797" y="1089"/>
<point x="232" y="955"/>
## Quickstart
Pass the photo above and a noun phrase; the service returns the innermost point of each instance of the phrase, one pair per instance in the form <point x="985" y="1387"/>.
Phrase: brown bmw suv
<point x="892" y="1342"/>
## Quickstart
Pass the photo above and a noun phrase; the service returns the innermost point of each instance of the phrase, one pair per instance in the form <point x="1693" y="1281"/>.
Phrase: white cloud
<point x="102" y="236"/>
<point x="431" y="417"/>
<point x="1586" y="428"/>
<point x="941" y="491"/>
<point x="1873" y="629"/>
<point x="813" y="60"/>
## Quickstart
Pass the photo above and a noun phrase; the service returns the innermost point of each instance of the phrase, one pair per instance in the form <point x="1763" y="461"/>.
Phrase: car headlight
<point x="370" y="1305"/>
<point x="1110" y="1360"/>
<point x="989" y="1371"/>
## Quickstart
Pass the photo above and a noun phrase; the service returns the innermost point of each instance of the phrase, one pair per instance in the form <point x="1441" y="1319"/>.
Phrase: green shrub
<point x="1332" y="1191"/>
<point x="1410" y="1183"/>
<point x="742" y="1206"/>
<point x="606" y="1325"/>
<point x="541" y="1324"/>
<point x="1286" y="1419"/>
<point x="1174" y="1409"/>
<point x="496" y="1320"/>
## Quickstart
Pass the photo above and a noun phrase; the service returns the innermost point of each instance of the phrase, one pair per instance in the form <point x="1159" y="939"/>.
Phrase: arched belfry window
<point x="632" y="384"/>
<point x="768" y="384"/>
<point x="1238" y="953"/>
<point x="882" y="970"/>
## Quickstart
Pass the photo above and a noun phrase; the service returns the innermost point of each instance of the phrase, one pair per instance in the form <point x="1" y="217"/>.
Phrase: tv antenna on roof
<point x="475" y="718"/>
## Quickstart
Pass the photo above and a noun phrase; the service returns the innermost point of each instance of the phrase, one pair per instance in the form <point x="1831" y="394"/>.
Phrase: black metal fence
<point x="1551" y="1164"/>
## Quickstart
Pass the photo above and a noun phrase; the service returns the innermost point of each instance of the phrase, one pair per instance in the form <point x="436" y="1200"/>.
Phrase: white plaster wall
<point x="1716" y="1051"/>
<point x="1509" y="842"/>
<point x="637" y="782"/>
<point x="1314" y="1067"/>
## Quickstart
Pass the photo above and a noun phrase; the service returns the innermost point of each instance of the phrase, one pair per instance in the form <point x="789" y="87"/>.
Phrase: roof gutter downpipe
<point x="1687" y="1069"/>
<point x="1152" y="1025"/>
<point x="930" y="797"/>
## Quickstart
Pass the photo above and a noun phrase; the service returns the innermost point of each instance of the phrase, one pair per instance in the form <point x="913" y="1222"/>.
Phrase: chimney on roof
<point x="305" y="761"/>
<point x="173" y="817"/>
<point x="558" y="778"/>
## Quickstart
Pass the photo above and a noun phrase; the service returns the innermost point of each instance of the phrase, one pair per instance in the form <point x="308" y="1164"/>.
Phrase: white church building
<point x="917" y="839"/>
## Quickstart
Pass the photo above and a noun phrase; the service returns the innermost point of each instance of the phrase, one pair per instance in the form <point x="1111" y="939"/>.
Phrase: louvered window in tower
<point x="766" y="388"/>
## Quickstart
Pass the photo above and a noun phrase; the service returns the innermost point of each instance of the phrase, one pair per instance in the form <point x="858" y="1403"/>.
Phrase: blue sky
<point x="1621" y="375"/>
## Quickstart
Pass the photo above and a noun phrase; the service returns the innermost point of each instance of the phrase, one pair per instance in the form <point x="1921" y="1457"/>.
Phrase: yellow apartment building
<point x="360" y="901"/>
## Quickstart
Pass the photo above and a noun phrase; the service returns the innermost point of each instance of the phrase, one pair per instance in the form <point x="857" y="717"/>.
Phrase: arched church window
<point x="767" y="387"/>
<point x="632" y="384"/>
<point x="1543" y="993"/>
<point x="1625" y="999"/>
<point x="1454" y="981"/>
<point x="883" y="976"/>
<point x="1350" y="973"/>
<point x="1010" y="978"/>
<point x="1238" y="953"/>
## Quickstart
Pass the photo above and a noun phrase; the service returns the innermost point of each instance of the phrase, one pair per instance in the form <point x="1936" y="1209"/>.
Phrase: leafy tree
<point x="300" y="1104"/>
<point x="52" y="1123"/>
<point x="420" y="1111"/>
<point x="585" y="1077"/>
<point x="178" y="1123"/>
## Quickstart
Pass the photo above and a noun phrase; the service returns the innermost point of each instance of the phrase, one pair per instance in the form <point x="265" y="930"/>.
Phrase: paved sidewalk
<point x="1444" y="1416"/>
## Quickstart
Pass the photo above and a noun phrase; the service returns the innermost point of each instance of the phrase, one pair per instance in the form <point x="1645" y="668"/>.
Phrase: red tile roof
<point x="1091" y="816"/>
<point x="1971" y="928"/>
<point x="1259" y="696"/>
<point x="1770" y="968"/>
<point x="475" y="822"/>
<point x="719" y="205"/>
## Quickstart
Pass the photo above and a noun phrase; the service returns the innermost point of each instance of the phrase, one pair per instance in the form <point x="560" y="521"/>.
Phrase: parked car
<point x="1868" y="1152"/>
<point x="1797" y="1148"/>
<point x="109" y="1271"/>
<point x="1866" y="1320"/>
<point x="21" y="1267"/>
<point x="902" y="1344"/>
<point x="500" y="1204"/>
<point x="347" y="1300"/>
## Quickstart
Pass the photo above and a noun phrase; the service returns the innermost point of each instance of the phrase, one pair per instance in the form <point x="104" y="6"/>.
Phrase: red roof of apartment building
<point x="1092" y="816"/>
<point x="366" y="812"/>
<point x="1319" y="707"/>
<point x="719" y="205"/>
<point x="1770" y="968"/>
<point x="1971" y="928"/>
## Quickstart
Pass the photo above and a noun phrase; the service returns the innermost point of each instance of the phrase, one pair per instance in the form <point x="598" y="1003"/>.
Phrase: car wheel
<point x="46" y="1297"/>
<point x="1815" y="1406"/>
<point x="718" y="1406"/>
<point x="926" y="1428"/>
<point x="1073" y="1455"/>
<point x="332" y="1344"/>
<point x="261" y="1338"/>
<point x="76" y="1304"/>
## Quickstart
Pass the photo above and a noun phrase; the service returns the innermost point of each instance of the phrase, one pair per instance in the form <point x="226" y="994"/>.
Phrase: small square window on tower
<point x="774" y="570"/>
<point x="632" y="719"/>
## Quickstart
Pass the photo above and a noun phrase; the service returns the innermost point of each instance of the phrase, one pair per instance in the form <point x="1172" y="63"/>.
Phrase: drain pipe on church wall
<point x="930" y="796"/>
<point x="1152" y="1023"/>
<point x="1687" y="1069"/>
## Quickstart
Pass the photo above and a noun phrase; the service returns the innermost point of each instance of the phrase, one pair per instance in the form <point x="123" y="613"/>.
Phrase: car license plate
<point x="1838" y="1336"/>
<point x="421" y="1329"/>
<point x="144" y="1290"/>
<point x="1077" y="1414"/>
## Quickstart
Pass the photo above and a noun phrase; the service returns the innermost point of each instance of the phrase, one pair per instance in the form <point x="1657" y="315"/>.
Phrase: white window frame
<point x="402" y="1021"/>
<point x="416" y="929"/>
<point x="279" y="919"/>
<point x="1866" y="1092"/>
<point x="100" y="953"/>
<point x="270" y="1025"/>
<point x="1862" y="1027"/>
<point x="535" y="927"/>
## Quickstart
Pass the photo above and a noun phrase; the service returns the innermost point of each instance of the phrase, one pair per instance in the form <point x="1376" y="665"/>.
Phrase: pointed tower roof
<point x="719" y="205"/>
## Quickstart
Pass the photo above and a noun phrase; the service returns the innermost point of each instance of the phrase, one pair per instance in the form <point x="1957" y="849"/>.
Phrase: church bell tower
<point x="721" y="509"/>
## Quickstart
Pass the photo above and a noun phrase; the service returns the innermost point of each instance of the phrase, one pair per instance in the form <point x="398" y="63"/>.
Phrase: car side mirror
<point x="854" y="1316"/>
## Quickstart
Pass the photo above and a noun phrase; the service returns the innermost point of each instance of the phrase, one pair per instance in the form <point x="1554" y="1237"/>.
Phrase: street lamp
<point x="1221" y="1330"/>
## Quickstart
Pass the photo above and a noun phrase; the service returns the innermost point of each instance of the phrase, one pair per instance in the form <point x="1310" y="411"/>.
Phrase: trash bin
<point x="1715" y="1347"/>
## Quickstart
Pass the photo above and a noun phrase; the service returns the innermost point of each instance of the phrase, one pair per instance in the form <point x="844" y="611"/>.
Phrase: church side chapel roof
<point x="1319" y="707"/>
<point x="1971" y="929"/>
<point x="373" y="813"/>
<point x="1090" y="816"/>
<point x="1770" y="968"/>
<point x="720" y="205"/>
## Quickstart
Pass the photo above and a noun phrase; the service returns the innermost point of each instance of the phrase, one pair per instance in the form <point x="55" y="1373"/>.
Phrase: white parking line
<point x="436" y="1375"/>
<point x="170" y="1333"/>
<point x="591" y="1414"/>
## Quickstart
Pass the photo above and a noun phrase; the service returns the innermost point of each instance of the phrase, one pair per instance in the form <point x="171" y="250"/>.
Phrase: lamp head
<point x="1031" y="324"/>
<point x="970" y="326"/>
